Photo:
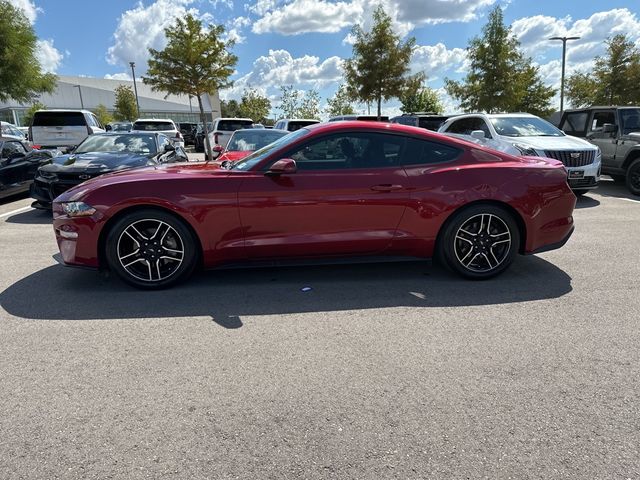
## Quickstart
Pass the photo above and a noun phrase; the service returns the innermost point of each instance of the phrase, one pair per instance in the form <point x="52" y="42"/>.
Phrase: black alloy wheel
<point x="480" y="242"/>
<point x="151" y="249"/>
<point x="633" y="177"/>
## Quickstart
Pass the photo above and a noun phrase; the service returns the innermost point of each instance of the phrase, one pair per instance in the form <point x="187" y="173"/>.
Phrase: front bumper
<point x="77" y="238"/>
<point x="553" y="246"/>
<point x="45" y="190"/>
<point x="590" y="176"/>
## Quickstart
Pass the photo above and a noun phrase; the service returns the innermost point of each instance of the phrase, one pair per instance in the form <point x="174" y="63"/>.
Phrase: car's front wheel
<point x="151" y="249"/>
<point x="480" y="242"/>
<point x="633" y="177"/>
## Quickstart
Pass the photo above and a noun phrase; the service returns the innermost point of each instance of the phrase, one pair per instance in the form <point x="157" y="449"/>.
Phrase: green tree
<point x="309" y="105"/>
<point x="416" y="97"/>
<point x="230" y="109"/>
<point x="103" y="115"/>
<point x="614" y="80"/>
<point x="289" y="102"/>
<point x="340" y="103"/>
<point x="125" y="105"/>
<point x="379" y="67"/>
<point x="28" y="114"/>
<point x="254" y="106"/>
<point x="21" y="76"/>
<point x="196" y="61"/>
<point x="500" y="78"/>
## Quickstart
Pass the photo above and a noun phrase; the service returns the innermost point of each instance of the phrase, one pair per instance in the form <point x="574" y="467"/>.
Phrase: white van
<point x="62" y="128"/>
<point x="293" y="124"/>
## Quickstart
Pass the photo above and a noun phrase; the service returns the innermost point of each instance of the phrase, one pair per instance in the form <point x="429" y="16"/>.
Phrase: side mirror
<point x="609" y="128"/>
<point x="283" y="167"/>
<point x="216" y="150"/>
<point x="108" y="128"/>
<point x="169" y="148"/>
<point x="478" y="134"/>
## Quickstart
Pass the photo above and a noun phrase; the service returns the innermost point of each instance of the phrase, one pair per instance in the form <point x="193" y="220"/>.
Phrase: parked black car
<point x="188" y="131"/>
<point x="199" y="136"/>
<point x="99" y="154"/>
<point x="18" y="165"/>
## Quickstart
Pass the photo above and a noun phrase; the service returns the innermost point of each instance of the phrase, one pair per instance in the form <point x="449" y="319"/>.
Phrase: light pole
<point x="135" y="88"/>
<point x="80" y="92"/>
<point x="564" y="56"/>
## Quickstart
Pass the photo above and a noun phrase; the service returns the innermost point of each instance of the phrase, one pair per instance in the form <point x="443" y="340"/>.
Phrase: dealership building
<point x="88" y="93"/>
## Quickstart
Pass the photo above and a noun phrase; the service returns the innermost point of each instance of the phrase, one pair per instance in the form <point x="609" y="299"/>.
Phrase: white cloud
<point x="28" y="7"/>
<point x="279" y="68"/>
<point x="437" y="60"/>
<point x="303" y="16"/>
<point x="49" y="56"/>
<point x="142" y="28"/>
<point x="118" y="76"/>
<point x="234" y="29"/>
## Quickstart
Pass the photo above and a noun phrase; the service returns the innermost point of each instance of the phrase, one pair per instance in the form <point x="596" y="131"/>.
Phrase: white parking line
<point x="12" y="212"/>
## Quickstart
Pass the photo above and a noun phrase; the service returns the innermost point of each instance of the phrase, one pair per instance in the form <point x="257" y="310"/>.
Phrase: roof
<point x="153" y="120"/>
<point x="600" y="107"/>
<point x="63" y="110"/>
<point x="298" y="120"/>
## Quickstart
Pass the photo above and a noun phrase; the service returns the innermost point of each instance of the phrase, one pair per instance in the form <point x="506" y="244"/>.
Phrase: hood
<point x="97" y="161"/>
<point x="552" y="143"/>
<point x="171" y="172"/>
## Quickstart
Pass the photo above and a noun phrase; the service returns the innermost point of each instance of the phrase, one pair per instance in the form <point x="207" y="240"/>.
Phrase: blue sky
<point x="302" y="41"/>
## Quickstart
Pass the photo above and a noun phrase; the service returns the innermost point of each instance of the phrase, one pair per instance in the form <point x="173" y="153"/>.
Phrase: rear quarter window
<point x="425" y="152"/>
<point x="59" y="119"/>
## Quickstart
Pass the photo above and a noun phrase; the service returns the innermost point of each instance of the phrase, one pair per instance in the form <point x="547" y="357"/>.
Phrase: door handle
<point x="387" y="187"/>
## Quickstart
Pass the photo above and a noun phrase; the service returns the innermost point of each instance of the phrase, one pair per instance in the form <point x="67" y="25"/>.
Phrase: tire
<point x="633" y="177"/>
<point x="169" y="250"/>
<point x="579" y="193"/>
<point x="486" y="234"/>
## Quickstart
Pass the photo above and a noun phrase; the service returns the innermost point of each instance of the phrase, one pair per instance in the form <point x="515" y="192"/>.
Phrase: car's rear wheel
<point x="633" y="177"/>
<point x="480" y="242"/>
<point x="151" y="249"/>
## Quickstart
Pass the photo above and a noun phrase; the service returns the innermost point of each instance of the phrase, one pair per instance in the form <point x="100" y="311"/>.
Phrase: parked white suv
<point x="293" y="124"/>
<point x="223" y="128"/>
<point x="527" y="135"/>
<point x="160" y="125"/>
<point x="62" y="128"/>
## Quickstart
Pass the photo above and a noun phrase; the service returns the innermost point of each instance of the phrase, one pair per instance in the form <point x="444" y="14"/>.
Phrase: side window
<point x="96" y="122"/>
<point x="11" y="147"/>
<point x="424" y="152"/>
<point x="162" y="141"/>
<point x="465" y="126"/>
<point x="575" y="123"/>
<point x="349" y="151"/>
<point x="600" y="118"/>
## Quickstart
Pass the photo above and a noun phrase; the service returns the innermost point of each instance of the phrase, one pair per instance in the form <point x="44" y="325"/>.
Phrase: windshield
<point x="525" y="127"/>
<point x="248" y="141"/>
<point x="118" y="143"/>
<point x="630" y="118"/>
<point x="256" y="157"/>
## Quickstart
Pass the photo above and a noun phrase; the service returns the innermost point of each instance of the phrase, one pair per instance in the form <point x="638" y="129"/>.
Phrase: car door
<point x="347" y="197"/>
<point x="13" y="171"/>
<point x="605" y="140"/>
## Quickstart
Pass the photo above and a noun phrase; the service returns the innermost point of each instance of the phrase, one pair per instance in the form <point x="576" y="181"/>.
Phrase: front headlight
<point x="526" y="150"/>
<point x="78" y="209"/>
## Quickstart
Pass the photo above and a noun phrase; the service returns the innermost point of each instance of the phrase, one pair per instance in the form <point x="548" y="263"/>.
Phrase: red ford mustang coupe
<point x="330" y="190"/>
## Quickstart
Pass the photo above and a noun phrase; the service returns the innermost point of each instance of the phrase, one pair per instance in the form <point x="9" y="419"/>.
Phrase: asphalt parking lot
<point x="396" y="370"/>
